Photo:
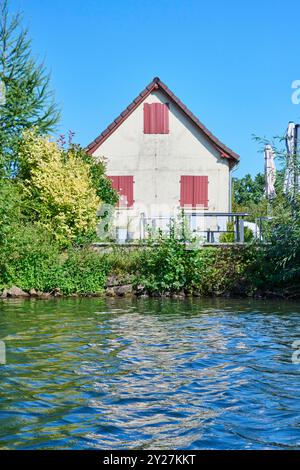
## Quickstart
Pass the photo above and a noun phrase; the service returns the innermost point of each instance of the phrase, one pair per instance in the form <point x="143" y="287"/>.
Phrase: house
<point x="162" y="159"/>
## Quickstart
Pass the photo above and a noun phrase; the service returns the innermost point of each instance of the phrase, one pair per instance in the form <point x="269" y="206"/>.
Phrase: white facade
<point x="157" y="162"/>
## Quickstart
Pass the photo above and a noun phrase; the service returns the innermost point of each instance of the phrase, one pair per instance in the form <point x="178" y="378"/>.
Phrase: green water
<point x="141" y="374"/>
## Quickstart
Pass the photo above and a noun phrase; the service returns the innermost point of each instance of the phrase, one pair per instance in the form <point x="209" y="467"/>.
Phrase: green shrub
<point x="10" y="206"/>
<point x="218" y="271"/>
<point x="84" y="272"/>
<point x="162" y="265"/>
<point x="282" y="255"/>
<point x="168" y="265"/>
<point x="124" y="261"/>
<point x="229" y="236"/>
<point x="30" y="258"/>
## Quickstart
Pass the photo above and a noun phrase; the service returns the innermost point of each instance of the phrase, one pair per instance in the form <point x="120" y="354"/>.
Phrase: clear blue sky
<point x="231" y="62"/>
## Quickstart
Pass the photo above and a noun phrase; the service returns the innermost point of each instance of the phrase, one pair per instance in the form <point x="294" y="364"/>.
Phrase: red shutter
<point x="165" y="119"/>
<point x="194" y="191"/>
<point x="200" y="191"/>
<point x="126" y="190"/>
<point x="114" y="182"/>
<point x="156" y="118"/>
<point x="147" y="117"/>
<point x="186" y="191"/>
<point x="124" y="186"/>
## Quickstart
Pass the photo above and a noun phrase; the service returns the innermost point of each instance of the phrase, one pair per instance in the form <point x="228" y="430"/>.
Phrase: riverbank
<point x="165" y="268"/>
<point x="117" y="289"/>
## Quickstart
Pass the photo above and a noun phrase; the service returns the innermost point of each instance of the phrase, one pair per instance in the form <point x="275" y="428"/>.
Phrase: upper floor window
<point x="156" y="118"/>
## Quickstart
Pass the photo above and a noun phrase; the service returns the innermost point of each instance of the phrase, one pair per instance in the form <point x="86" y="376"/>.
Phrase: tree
<point x="101" y="183"/>
<point x="249" y="195"/>
<point x="58" y="191"/>
<point x="248" y="189"/>
<point x="10" y="207"/>
<point x="26" y="98"/>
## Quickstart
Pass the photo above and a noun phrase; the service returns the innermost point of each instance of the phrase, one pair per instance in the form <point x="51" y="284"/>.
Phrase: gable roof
<point x="157" y="84"/>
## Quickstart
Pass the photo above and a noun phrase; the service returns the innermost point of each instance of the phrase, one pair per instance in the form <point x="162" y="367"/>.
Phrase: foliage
<point x="248" y="190"/>
<point x="229" y="236"/>
<point x="283" y="251"/>
<point x="10" y="206"/>
<point x="169" y="265"/>
<point x="217" y="271"/>
<point x="101" y="183"/>
<point x="162" y="265"/>
<point x="52" y="203"/>
<point x="248" y="195"/>
<point x="30" y="258"/>
<point x="28" y="99"/>
<point x="122" y="261"/>
<point x="57" y="189"/>
<point x="84" y="272"/>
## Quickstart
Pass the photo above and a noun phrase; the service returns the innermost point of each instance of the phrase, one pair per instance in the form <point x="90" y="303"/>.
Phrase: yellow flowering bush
<point x="58" y="189"/>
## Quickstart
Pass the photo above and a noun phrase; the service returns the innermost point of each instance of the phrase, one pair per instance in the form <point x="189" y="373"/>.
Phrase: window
<point x="156" y="118"/>
<point x="124" y="186"/>
<point x="194" y="191"/>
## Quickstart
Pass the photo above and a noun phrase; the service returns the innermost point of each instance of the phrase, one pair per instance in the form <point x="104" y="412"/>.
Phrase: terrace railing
<point x="208" y="225"/>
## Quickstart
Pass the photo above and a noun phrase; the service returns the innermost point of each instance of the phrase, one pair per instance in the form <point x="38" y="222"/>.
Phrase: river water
<point x="150" y="374"/>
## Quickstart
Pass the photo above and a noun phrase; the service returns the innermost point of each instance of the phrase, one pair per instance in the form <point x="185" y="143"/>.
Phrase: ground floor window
<point x="194" y="191"/>
<point x="124" y="186"/>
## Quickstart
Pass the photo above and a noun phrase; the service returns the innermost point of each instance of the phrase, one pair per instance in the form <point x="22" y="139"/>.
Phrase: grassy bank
<point x="34" y="263"/>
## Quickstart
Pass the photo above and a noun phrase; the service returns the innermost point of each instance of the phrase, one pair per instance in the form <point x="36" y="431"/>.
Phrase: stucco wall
<point x="158" y="161"/>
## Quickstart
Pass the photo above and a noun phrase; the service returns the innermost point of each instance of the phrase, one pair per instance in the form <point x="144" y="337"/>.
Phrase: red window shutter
<point x="156" y="118"/>
<point x="200" y="191"/>
<point x="165" y="119"/>
<point x="186" y="191"/>
<point x="126" y="190"/>
<point x="147" y="117"/>
<point x="114" y="182"/>
<point x="194" y="191"/>
<point x="124" y="186"/>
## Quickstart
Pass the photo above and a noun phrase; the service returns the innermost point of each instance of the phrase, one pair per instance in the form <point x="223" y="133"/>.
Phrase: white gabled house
<point x="161" y="158"/>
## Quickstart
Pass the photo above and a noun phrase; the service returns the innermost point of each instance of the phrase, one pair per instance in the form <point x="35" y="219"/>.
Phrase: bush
<point x="84" y="272"/>
<point x="282" y="255"/>
<point x="167" y="265"/>
<point x="58" y="190"/>
<point x="229" y="236"/>
<point x="30" y="258"/>
<point x="10" y="206"/>
<point x="162" y="264"/>
<point x="123" y="261"/>
<point x="218" y="271"/>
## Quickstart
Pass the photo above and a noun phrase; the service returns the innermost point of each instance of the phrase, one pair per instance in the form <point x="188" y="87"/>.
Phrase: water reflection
<point x="94" y="373"/>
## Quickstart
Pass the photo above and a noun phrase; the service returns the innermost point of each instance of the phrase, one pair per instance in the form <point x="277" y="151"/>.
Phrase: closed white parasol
<point x="270" y="173"/>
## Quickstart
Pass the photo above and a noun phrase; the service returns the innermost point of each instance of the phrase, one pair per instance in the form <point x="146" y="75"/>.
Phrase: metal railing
<point x="210" y="225"/>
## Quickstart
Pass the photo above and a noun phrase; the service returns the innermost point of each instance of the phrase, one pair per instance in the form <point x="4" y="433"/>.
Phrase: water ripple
<point x="149" y="374"/>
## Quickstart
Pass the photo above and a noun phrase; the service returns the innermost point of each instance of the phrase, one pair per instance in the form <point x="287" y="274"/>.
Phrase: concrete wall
<point x="158" y="161"/>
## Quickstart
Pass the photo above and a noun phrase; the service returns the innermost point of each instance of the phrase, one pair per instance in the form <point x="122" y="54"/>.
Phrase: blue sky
<point x="232" y="63"/>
